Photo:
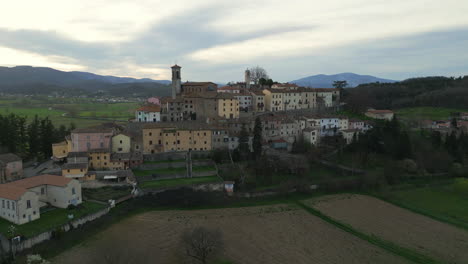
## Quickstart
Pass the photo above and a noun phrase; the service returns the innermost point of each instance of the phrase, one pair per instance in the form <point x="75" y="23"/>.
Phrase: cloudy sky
<point x="216" y="40"/>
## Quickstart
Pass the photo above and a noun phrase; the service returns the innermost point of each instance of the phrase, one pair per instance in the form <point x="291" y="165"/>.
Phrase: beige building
<point x="228" y="106"/>
<point x="99" y="159"/>
<point x="77" y="171"/>
<point x="11" y="167"/>
<point x="176" y="137"/>
<point x="274" y="100"/>
<point x="61" y="150"/>
<point x="121" y="143"/>
<point x="21" y="200"/>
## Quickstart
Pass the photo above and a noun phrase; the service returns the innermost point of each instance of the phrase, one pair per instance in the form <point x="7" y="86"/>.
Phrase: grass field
<point x="177" y="182"/>
<point x="427" y="113"/>
<point x="50" y="220"/>
<point x="447" y="203"/>
<point x="82" y="112"/>
<point x="105" y="194"/>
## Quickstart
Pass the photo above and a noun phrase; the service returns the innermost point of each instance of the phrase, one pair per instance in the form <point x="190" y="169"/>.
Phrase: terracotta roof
<point x="9" y="157"/>
<point x="11" y="192"/>
<point x="14" y="190"/>
<point x="150" y="108"/>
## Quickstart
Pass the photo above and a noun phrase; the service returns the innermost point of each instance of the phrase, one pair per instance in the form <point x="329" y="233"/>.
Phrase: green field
<point x="177" y="182"/>
<point x="427" y="113"/>
<point x="62" y="111"/>
<point x="50" y="220"/>
<point x="447" y="203"/>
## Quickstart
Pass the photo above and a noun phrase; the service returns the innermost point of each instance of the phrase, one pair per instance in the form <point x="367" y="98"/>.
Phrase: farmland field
<point x="372" y="216"/>
<point x="62" y="111"/>
<point x="267" y="234"/>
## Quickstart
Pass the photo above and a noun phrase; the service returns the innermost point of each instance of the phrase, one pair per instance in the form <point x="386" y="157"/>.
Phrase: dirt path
<point x="373" y="216"/>
<point x="271" y="234"/>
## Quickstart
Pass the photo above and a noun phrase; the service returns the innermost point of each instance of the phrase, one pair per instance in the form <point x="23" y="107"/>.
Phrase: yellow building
<point x="274" y="100"/>
<point x="121" y="143"/>
<point x="228" y="106"/>
<point x="61" y="150"/>
<point x="99" y="159"/>
<point x="159" y="138"/>
<point x="76" y="171"/>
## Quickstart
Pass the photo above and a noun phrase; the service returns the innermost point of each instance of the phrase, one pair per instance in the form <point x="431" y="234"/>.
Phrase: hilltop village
<point x="199" y="118"/>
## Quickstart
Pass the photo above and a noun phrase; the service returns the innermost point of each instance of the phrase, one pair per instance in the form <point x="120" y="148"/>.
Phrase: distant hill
<point x="41" y="80"/>
<point x="326" y="81"/>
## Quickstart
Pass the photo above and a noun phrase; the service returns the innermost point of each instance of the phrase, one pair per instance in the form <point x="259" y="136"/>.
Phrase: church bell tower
<point x="176" y="81"/>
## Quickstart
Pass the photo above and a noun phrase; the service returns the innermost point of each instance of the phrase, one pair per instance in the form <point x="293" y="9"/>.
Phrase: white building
<point x="245" y="101"/>
<point x="20" y="201"/>
<point x="148" y="113"/>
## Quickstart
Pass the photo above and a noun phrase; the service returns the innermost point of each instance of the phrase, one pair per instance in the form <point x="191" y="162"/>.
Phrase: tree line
<point x="429" y="91"/>
<point x="30" y="140"/>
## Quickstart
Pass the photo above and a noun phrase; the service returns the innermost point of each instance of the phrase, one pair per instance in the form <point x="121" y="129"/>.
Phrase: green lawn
<point x="177" y="182"/>
<point x="172" y="170"/>
<point x="50" y="220"/>
<point x="106" y="193"/>
<point x="448" y="203"/>
<point x="427" y="113"/>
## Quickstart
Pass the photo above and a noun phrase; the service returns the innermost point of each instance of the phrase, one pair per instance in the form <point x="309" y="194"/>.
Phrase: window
<point x="120" y="141"/>
<point x="42" y="191"/>
<point x="73" y="191"/>
<point x="28" y="204"/>
<point x="8" y="204"/>
<point x="151" y="142"/>
<point x="13" y="205"/>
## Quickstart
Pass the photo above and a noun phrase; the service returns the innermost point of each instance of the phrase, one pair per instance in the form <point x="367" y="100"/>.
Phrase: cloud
<point x="216" y="40"/>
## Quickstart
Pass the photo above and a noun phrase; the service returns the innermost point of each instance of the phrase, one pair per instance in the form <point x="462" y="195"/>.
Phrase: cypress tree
<point x="257" y="138"/>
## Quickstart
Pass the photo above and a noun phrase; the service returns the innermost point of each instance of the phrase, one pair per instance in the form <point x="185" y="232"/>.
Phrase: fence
<point x="30" y="242"/>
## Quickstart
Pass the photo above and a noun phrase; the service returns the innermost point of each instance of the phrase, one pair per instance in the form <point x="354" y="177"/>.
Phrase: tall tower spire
<point x="176" y="81"/>
<point x="247" y="79"/>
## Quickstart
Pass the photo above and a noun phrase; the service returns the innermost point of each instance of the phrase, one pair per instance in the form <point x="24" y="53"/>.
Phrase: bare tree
<point x="256" y="73"/>
<point x="201" y="243"/>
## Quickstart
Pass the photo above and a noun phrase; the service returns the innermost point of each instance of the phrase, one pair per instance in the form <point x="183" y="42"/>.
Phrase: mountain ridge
<point x="326" y="81"/>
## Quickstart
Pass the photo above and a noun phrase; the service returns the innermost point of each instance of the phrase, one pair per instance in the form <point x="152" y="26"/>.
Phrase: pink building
<point x="154" y="100"/>
<point x="85" y="139"/>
